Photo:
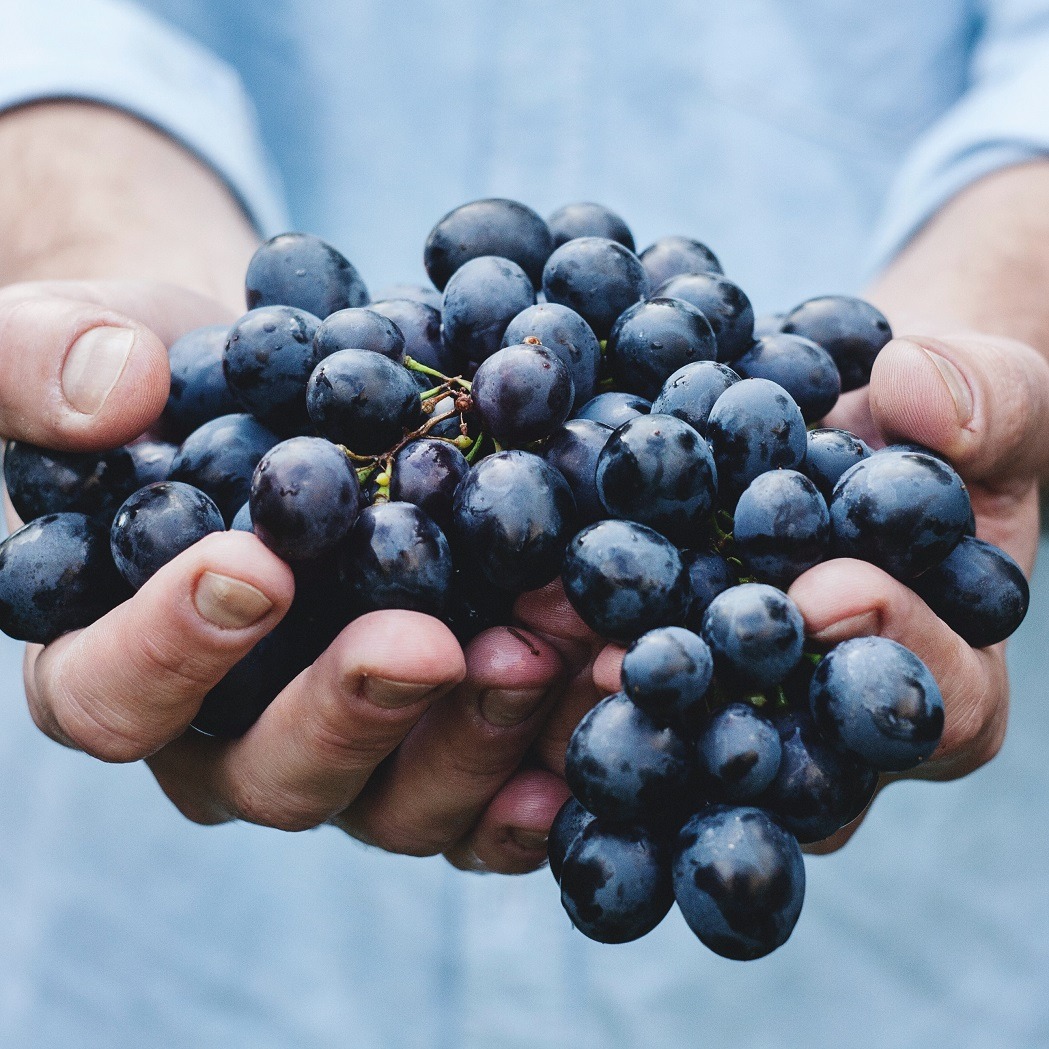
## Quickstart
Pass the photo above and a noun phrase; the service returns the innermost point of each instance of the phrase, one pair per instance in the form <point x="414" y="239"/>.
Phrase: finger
<point x="511" y="837"/>
<point x="548" y="613"/>
<point x="318" y="742"/>
<point x="607" y="669"/>
<point x="578" y="697"/>
<point x="82" y="374"/>
<point x="438" y="783"/>
<point x="983" y="403"/>
<point x="842" y="599"/>
<point x="128" y="684"/>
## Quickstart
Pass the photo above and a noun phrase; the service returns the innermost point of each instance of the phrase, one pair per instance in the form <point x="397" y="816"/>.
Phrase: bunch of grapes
<point x="558" y="406"/>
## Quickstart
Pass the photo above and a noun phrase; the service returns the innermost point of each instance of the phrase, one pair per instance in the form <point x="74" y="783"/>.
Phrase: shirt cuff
<point x="116" y="54"/>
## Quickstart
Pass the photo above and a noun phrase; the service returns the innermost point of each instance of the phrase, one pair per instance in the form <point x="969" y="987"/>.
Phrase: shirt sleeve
<point x="1001" y="120"/>
<point x="115" y="53"/>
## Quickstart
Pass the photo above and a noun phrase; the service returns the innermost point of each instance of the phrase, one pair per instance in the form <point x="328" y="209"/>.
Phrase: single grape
<point x="979" y="591"/>
<point x="666" y="673"/>
<point x="571" y="820"/>
<point x="426" y="472"/>
<point x="613" y="409"/>
<point x="755" y="633"/>
<point x="658" y="471"/>
<point x="653" y="339"/>
<point x="805" y="370"/>
<point x="596" y="277"/>
<point x="359" y="329"/>
<point x="56" y="575"/>
<point x="363" y="400"/>
<point x="304" y="498"/>
<point x="739" y="879"/>
<point x="415" y="292"/>
<point x="522" y="394"/>
<point x="513" y="516"/>
<point x="475" y="605"/>
<point x="625" y="579"/>
<point x="220" y="457"/>
<point x="724" y="304"/>
<point x="851" y="330"/>
<point x="487" y="227"/>
<point x="573" y="450"/>
<point x="242" y="520"/>
<point x="158" y="523"/>
<point x="740" y="751"/>
<point x="768" y="324"/>
<point x="420" y="325"/>
<point x="615" y="884"/>
<point x="830" y="453"/>
<point x="709" y="574"/>
<point x="624" y="767"/>
<point x="670" y="256"/>
<point x="691" y="392"/>
<point x="199" y="391"/>
<point x="396" y="557"/>
<point x="877" y="700"/>
<point x="152" y="461"/>
<point x="302" y="271"/>
<point x="588" y="220"/>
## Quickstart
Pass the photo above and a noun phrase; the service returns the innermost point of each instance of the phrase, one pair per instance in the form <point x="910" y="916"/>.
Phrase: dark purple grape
<point x="781" y="527"/>
<point x="522" y="394"/>
<point x="199" y="392"/>
<point x="268" y="359"/>
<point x="571" y="820"/>
<point x="666" y="673"/>
<point x="691" y="392"/>
<point x="242" y="520"/>
<point x="653" y="339"/>
<point x="572" y="450"/>
<point x="658" y="471"/>
<point x="830" y="453"/>
<point x="56" y="575"/>
<point x="615" y="884"/>
<point x="979" y="591"/>
<point x="426" y="472"/>
<point x="596" y="277"/>
<point x="723" y="303"/>
<point x="877" y="700"/>
<point x="158" y="523"/>
<point x="818" y="788"/>
<point x="709" y="574"/>
<point x="420" y="325"/>
<point x="625" y="579"/>
<point x="304" y="498"/>
<point x="768" y="324"/>
<point x="740" y="752"/>
<point x="804" y="369"/>
<point x="41" y="481"/>
<point x="415" y="292"/>
<point x="359" y="329"/>
<point x="624" y="767"/>
<point x="302" y="271"/>
<point x="475" y="605"/>
<point x="565" y="333"/>
<point x="613" y="409"/>
<point x="851" y="330"/>
<point x="513" y="516"/>
<point x="588" y="220"/>
<point x="363" y="400"/>
<point x="152" y="461"/>
<point x="220" y="457"/>
<point x="754" y="426"/>
<point x="739" y="879"/>
<point x="755" y="633"/>
<point x="670" y="256"/>
<point x="902" y="511"/>
<point x="481" y="299"/>
<point x="396" y="557"/>
<point x="487" y="227"/>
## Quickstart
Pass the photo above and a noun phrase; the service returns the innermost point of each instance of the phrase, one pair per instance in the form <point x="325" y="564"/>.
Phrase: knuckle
<point x="390" y="835"/>
<point x="103" y="735"/>
<point x="253" y="804"/>
<point x="164" y="652"/>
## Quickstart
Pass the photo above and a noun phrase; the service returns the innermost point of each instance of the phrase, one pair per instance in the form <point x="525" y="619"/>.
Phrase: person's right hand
<point x="394" y="733"/>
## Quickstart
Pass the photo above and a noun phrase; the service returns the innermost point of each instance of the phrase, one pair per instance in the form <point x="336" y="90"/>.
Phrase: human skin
<point x="422" y="748"/>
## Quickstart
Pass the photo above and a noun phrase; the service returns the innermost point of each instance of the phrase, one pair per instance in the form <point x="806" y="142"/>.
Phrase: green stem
<point x="413" y="365"/>
<point x="471" y="455"/>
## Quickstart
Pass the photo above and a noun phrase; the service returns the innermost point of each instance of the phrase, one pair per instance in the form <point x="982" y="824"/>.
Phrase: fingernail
<point x="229" y="603"/>
<point x="392" y="694"/>
<point x="865" y="624"/>
<point x="505" y="707"/>
<point x="93" y="366"/>
<point x="532" y="840"/>
<point x="956" y="386"/>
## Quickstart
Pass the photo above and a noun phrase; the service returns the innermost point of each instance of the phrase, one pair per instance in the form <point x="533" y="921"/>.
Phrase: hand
<point x="394" y="734"/>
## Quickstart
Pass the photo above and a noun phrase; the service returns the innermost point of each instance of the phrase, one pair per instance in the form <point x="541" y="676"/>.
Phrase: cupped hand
<point x="394" y="734"/>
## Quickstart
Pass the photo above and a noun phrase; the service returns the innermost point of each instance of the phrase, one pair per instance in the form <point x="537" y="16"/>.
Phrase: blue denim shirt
<point x="805" y="140"/>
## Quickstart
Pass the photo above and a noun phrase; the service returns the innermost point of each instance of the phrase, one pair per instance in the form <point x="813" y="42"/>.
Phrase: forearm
<point x="90" y="192"/>
<point x="982" y="263"/>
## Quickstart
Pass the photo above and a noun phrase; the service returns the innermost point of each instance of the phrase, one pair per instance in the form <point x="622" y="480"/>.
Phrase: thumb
<point x="982" y="402"/>
<point x="85" y="366"/>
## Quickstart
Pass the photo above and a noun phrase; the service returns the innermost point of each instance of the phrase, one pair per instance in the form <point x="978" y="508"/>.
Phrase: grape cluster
<point x="559" y="406"/>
